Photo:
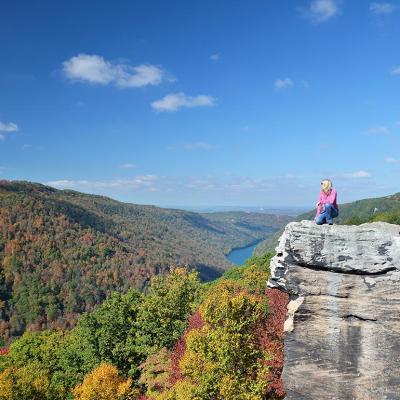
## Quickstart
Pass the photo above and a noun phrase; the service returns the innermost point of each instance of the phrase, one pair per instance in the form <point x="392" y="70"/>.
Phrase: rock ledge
<point x="342" y="329"/>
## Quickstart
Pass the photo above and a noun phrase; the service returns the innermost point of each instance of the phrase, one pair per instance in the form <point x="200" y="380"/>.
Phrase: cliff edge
<point x="342" y="331"/>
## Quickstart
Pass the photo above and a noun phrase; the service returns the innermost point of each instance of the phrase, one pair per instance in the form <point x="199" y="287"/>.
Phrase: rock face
<point x="342" y="333"/>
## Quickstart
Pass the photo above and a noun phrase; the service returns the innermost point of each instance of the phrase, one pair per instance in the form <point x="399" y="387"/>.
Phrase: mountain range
<point x="63" y="252"/>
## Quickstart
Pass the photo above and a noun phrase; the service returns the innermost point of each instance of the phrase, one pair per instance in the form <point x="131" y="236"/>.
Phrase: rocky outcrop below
<point x="342" y="331"/>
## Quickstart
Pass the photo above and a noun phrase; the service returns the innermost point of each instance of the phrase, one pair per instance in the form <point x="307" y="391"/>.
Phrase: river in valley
<point x="239" y="255"/>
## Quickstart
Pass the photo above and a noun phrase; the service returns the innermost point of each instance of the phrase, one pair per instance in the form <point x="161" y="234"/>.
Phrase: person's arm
<point x="319" y="204"/>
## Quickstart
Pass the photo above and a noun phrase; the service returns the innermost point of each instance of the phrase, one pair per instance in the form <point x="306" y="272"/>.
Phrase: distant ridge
<point x="62" y="252"/>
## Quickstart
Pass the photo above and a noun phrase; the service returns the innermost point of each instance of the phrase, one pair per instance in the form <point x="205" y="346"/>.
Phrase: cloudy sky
<point x="202" y="102"/>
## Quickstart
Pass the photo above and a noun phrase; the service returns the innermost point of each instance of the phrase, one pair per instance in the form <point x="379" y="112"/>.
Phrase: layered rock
<point x="342" y="337"/>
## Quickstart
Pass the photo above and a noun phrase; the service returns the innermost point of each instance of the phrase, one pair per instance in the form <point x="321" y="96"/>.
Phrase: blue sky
<point x="202" y="103"/>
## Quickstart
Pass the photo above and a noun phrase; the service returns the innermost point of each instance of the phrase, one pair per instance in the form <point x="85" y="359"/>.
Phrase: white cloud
<point x="89" y="68"/>
<point x="284" y="83"/>
<point x="174" y="101"/>
<point x="395" y="71"/>
<point x="391" y="160"/>
<point x="8" y="127"/>
<point x="377" y="130"/>
<point x="358" y="174"/>
<point x="215" y="57"/>
<point x="141" y="75"/>
<point x="226" y="183"/>
<point x="67" y="183"/>
<point x="28" y="146"/>
<point x="382" y="8"/>
<point x="96" y="70"/>
<point x="137" y="182"/>
<point x="323" y="10"/>
<point x="127" y="166"/>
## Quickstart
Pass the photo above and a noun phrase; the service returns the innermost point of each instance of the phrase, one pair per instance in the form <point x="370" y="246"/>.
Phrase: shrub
<point x="392" y="217"/>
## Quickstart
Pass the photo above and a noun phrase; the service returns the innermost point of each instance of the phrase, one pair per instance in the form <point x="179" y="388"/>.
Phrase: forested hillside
<point x="182" y="340"/>
<point x="62" y="252"/>
<point x="357" y="212"/>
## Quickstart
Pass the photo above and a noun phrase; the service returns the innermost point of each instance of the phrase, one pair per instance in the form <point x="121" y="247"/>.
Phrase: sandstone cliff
<point x="342" y="332"/>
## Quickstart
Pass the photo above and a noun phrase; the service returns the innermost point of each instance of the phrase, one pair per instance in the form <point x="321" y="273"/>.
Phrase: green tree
<point x="105" y="335"/>
<point x="32" y="369"/>
<point x="162" y="317"/>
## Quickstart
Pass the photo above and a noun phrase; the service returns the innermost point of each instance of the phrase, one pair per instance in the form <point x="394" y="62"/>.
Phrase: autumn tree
<point x="223" y="358"/>
<point x="104" y="383"/>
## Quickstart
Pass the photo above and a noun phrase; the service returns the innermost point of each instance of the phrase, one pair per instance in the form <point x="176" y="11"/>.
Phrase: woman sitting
<point x="327" y="208"/>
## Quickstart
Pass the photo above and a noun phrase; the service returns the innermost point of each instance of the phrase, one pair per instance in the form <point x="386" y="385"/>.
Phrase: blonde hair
<point x="326" y="185"/>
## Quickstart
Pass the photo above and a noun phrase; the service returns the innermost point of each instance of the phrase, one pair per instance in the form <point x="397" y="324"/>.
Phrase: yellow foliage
<point x="104" y="383"/>
<point x="251" y="388"/>
<point x="182" y="390"/>
<point x="25" y="383"/>
<point x="6" y="384"/>
<point x="228" y="305"/>
<point x="194" y="363"/>
<point x="255" y="278"/>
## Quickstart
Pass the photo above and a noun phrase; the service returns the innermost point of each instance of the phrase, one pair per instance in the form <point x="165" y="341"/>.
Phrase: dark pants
<point x="326" y="217"/>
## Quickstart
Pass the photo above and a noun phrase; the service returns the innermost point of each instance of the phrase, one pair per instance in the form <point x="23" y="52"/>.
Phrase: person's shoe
<point x="330" y="221"/>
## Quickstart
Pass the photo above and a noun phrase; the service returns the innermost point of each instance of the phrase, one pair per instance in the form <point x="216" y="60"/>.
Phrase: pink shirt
<point x="326" y="198"/>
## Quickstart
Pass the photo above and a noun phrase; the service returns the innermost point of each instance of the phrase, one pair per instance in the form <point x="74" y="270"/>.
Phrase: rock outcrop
<point x="342" y="332"/>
